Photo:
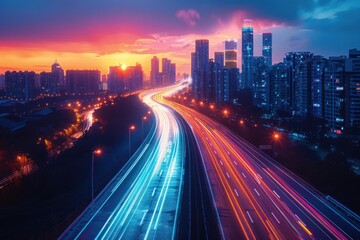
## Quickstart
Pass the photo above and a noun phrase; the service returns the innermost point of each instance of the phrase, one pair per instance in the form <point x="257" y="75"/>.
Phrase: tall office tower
<point x="317" y="86"/>
<point x="247" y="50"/>
<point x="133" y="77"/>
<point x="219" y="58"/>
<point x="193" y="67"/>
<point x="300" y="90"/>
<point x="166" y="68"/>
<point x="352" y="75"/>
<point x="20" y="85"/>
<point x="261" y="79"/>
<point x="200" y="61"/>
<point x="2" y="82"/>
<point x="82" y="81"/>
<point x="155" y="77"/>
<point x="48" y="84"/>
<point x="231" y="54"/>
<point x="116" y="79"/>
<point x="234" y="79"/>
<point x="172" y="73"/>
<point x="280" y="92"/>
<point x="58" y="75"/>
<point x="334" y="95"/>
<point x="267" y="47"/>
<point x="212" y="81"/>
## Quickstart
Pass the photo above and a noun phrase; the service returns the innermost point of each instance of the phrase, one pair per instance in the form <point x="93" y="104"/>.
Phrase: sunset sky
<point x="94" y="34"/>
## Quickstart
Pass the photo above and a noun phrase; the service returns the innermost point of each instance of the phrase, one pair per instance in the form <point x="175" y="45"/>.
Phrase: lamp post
<point x="142" y="127"/>
<point x="131" y="128"/>
<point x="95" y="152"/>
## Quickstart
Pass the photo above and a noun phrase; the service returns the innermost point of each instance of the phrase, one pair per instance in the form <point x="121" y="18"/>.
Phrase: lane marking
<point x="235" y="163"/>
<point x="243" y="174"/>
<point x="257" y="192"/>
<point x="153" y="192"/>
<point x="276" y="194"/>
<point x="236" y="192"/>
<point x="275" y="218"/>
<point x="215" y="152"/>
<point x="143" y="217"/>
<point x="247" y="212"/>
<point x="221" y="162"/>
<point x="228" y="152"/>
<point x="227" y="174"/>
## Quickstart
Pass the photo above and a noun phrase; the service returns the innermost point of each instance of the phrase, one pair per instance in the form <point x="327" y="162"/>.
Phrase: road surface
<point x="255" y="197"/>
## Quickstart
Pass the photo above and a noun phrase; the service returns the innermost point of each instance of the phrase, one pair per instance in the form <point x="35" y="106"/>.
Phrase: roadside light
<point x="241" y="122"/>
<point x="226" y="112"/>
<point x="212" y="106"/>
<point x="132" y="127"/>
<point x="97" y="151"/>
<point x="276" y="136"/>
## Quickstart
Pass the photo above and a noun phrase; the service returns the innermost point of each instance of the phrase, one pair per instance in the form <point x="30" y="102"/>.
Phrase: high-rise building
<point x="261" y="80"/>
<point x="155" y="76"/>
<point x="280" y="82"/>
<point x="213" y="92"/>
<point x="2" y="82"/>
<point x="172" y="73"/>
<point x="352" y="89"/>
<point x="133" y="77"/>
<point x="334" y="94"/>
<point x="166" y="69"/>
<point x="267" y="47"/>
<point x="116" y="79"/>
<point x="83" y="81"/>
<point x="300" y="79"/>
<point x="199" y="63"/>
<point x="231" y="54"/>
<point x="247" y="50"/>
<point x="317" y="86"/>
<point x="219" y="58"/>
<point x="20" y="85"/>
<point x="58" y="75"/>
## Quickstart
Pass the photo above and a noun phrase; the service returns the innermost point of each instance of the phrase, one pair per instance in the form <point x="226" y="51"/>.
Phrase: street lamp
<point x="95" y="152"/>
<point x="131" y="128"/>
<point x="142" y="127"/>
<point x="276" y="136"/>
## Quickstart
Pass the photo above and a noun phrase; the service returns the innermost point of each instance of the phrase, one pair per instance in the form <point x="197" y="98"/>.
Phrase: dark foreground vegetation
<point x="43" y="204"/>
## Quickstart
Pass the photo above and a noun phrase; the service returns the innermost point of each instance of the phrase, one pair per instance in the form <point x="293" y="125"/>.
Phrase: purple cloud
<point x="189" y="16"/>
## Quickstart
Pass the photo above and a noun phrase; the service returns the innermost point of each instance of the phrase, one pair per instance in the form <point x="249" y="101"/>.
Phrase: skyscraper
<point x="352" y="75"/>
<point x="261" y="89"/>
<point x="172" y="73"/>
<point x="299" y="81"/>
<point x="200" y="61"/>
<point x="267" y="47"/>
<point x="116" y="80"/>
<point x="166" y="69"/>
<point x="230" y="54"/>
<point x="58" y="75"/>
<point x="280" y="89"/>
<point x="247" y="50"/>
<point x="317" y="86"/>
<point x="219" y="58"/>
<point x="83" y="81"/>
<point x="334" y="91"/>
<point x="20" y="85"/>
<point x="155" y="77"/>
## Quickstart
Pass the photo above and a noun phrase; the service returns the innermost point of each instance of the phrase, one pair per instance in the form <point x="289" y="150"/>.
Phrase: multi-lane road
<point x="143" y="201"/>
<point x="192" y="178"/>
<point x="255" y="197"/>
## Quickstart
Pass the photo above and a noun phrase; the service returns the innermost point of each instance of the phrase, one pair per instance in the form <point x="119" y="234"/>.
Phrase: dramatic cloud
<point x="189" y="16"/>
<point x="108" y="31"/>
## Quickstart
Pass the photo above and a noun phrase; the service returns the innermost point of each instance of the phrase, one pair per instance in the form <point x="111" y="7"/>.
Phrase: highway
<point x="155" y="195"/>
<point x="141" y="201"/>
<point x="256" y="198"/>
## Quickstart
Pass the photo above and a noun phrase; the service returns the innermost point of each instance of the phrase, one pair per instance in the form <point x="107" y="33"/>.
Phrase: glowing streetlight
<point x="142" y="126"/>
<point x="131" y="128"/>
<point x="241" y="122"/>
<point x="95" y="152"/>
<point x="276" y="136"/>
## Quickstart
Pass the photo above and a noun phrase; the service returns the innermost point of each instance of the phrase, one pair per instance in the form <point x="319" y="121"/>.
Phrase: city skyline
<point x="31" y="40"/>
